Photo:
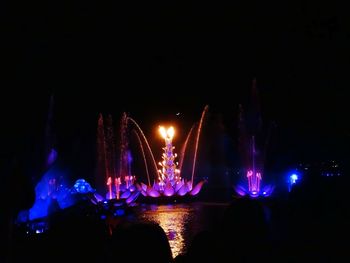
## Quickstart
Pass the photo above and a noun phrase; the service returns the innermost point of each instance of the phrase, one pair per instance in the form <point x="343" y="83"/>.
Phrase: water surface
<point x="181" y="222"/>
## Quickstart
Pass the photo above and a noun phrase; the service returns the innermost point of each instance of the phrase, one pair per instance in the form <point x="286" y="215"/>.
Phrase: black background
<point x="154" y="59"/>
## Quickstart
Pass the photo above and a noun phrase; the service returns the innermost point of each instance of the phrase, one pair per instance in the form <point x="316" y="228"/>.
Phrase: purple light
<point x="169" y="190"/>
<point x="125" y="195"/>
<point x="51" y="157"/>
<point x="183" y="190"/>
<point x="267" y="190"/>
<point x="197" y="188"/>
<point x="153" y="193"/>
<point x="169" y="182"/>
<point x="132" y="198"/>
<point x="240" y="190"/>
<point x="254" y="179"/>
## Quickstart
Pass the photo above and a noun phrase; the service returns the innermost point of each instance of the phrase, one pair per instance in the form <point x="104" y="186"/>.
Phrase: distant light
<point x="177" y="114"/>
<point x="264" y="193"/>
<point x="119" y="212"/>
<point x="81" y="186"/>
<point x="293" y="178"/>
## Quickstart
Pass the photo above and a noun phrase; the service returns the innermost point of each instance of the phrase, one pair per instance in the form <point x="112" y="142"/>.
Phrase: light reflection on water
<point x="181" y="222"/>
<point x="173" y="219"/>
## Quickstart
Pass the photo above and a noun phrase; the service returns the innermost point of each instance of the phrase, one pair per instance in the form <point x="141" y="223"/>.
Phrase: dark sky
<point x="159" y="56"/>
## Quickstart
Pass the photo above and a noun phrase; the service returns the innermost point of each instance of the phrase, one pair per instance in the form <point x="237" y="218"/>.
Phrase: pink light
<point x="117" y="183"/>
<point x="109" y="183"/>
<point x="153" y="193"/>
<point x="178" y="185"/>
<point x="169" y="190"/>
<point x="254" y="179"/>
<point x="183" y="190"/>
<point x="240" y="190"/>
<point x="197" y="188"/>
<point x="143" y="187"/>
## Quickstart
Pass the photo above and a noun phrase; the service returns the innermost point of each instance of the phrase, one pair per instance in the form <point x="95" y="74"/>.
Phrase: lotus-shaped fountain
<point x="253" y="143"/>
<point x="182" y="188"/>
<point x="122" y="187"/>
<point x="119" y="187"/>
<point x="266" y="191"/>
<point x="119" y="193"/>
<point x="169" y="182"/>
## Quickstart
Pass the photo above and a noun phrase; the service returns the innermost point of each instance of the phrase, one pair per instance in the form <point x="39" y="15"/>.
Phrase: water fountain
<point x="252" y="147"/>
<point x="168" y="181"/>
<point x="52" y="192"/>
<point x="119" y="186"/>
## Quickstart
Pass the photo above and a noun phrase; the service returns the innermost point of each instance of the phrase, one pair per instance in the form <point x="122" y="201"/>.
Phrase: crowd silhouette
<point x="311" y="225"/>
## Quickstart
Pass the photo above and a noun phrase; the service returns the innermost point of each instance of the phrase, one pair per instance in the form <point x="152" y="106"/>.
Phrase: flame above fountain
<point x="122" y="186"/>
<point x="169" y="182"/>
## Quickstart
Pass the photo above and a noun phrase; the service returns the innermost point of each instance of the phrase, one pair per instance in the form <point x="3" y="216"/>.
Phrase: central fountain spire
<point x="168" y="172"/>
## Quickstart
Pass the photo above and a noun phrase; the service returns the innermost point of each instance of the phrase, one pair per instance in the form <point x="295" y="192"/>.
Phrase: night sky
<point x="154" y="59"/>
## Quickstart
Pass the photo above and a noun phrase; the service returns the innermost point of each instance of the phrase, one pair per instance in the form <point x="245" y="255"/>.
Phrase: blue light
<point x="119" y="212"/>
<point x="83" y="187"/>
<point x="293" y="178"/>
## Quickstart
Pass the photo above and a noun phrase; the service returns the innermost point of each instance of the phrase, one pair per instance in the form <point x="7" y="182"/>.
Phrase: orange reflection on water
<point x="172" y="219"/>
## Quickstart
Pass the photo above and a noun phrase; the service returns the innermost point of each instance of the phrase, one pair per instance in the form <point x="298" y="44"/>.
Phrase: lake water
<point x="181" y="222"/>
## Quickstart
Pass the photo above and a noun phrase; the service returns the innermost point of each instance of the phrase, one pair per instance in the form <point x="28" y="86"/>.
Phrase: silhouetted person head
<point x="245" y="217"/>
<point x="75" y="236"/>
<point x="141" y="242"/>
<point x="203" y="248"/>
<point x="244" y="231"/>
<point x="17" y="194"/>
<point x="20" y="190"/>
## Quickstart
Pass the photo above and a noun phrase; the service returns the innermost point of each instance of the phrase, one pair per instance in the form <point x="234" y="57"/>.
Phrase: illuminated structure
<point x="169" y="174"/>
<point x="252" y="147"/>
<point x="253" y="173"/>
<point x="119" y="186"/>
<point x="169" y="181"/>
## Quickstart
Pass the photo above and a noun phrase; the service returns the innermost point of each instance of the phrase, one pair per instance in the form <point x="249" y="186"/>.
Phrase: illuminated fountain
<point x="169" y="175"/>
<point x="118" y="186"/>
<point x="252" y="147"/>
<point x="168" y="181"/>
<point x="53" y="191"/>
